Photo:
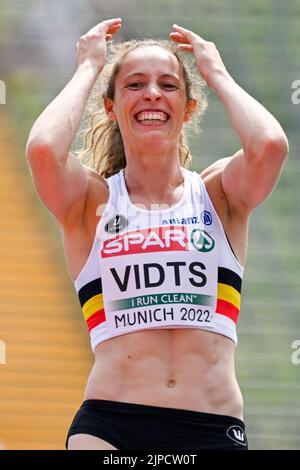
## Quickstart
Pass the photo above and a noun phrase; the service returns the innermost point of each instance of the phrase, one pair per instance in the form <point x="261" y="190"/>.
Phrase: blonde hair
<point x="103" y="144"/>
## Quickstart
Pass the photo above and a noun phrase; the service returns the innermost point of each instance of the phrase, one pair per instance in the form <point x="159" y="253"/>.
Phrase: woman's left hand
<point x="207" y="57"/>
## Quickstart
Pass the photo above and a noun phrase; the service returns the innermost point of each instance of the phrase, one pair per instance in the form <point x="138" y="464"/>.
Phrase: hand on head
<point x="207" y="57"/>
<point x="91" y="48"/>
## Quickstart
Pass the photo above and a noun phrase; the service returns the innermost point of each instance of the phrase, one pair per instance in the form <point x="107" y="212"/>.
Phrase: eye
<point x="169" y="86"/>
<point x="135" y="85"/>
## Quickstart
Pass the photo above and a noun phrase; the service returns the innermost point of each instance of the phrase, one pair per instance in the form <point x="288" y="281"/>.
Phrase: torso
<point x="181" y="368"/>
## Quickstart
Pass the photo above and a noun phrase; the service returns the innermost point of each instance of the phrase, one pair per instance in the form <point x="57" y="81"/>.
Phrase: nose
<point x="152" y="92"/>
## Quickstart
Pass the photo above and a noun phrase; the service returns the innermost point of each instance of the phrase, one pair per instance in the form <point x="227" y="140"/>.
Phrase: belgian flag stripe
<point x="89" y="290"/>
<point x="229" y="294"/>
<point x="92" y="305"/>
<point x="227" y="276"/>
<point x="95" y="320"/>
<point x="227" y="309"/>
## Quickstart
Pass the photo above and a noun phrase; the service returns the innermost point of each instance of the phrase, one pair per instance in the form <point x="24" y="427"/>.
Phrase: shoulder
<point x="93" y="176"/>
<point x="215" y="170"/>
<point x="97" y="192"/>
<point x="97" y="184"/>
<point x="235" y="222"/>
<point x="212" y="179"/>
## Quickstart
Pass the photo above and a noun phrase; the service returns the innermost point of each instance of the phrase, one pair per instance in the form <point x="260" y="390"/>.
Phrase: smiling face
<point x="150" y="102"/>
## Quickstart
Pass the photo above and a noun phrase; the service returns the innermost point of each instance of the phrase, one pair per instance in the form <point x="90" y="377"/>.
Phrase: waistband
<point x="124" y="407"/>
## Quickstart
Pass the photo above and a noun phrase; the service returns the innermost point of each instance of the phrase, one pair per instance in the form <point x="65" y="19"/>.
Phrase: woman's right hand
<point x="91" y="47"/>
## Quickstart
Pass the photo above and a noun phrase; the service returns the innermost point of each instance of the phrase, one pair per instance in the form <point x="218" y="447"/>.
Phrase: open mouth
<point x="151" y="117"/>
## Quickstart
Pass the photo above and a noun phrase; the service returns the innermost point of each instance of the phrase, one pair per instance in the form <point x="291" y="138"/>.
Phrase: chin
<point x="154" y="140"/>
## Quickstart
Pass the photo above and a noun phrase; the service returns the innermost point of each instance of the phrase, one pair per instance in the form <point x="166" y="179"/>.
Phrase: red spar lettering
<point x="133" y="238"/>
<point x="144" y="241"/>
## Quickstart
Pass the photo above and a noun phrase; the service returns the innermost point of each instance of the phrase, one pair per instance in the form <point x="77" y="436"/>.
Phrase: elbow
<point x="276" y="147"/>
<point x="37" y="149"/>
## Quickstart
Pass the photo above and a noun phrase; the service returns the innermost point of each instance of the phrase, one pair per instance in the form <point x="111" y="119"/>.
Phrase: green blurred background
<point x="259" y="43"/>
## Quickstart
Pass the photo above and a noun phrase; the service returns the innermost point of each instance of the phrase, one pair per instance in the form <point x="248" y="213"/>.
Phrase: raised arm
<point x="60" y="179"/>
<point x="250" y="174"/>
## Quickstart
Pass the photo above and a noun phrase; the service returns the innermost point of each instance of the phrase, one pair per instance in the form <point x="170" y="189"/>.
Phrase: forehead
<point x="150" y="59"/>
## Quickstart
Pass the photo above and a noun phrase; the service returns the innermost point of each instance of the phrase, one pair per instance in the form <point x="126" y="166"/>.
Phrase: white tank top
<point x="160" y="268"/>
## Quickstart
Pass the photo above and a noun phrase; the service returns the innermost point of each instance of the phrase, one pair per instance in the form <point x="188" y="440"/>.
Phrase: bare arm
<point x="264" y="144"/>
<point x="251" y="173"/>
<point x="60" y="179"/>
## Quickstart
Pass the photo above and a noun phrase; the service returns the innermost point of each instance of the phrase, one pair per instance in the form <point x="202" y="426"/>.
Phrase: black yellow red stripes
<point x="228" y="302"/>
<point x="229" y="293"/>
<point x="91" y="301"/>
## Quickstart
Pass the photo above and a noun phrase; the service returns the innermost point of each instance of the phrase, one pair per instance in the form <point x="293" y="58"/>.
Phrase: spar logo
<point x="148" y="240"/>
<point x="202" y="241"/>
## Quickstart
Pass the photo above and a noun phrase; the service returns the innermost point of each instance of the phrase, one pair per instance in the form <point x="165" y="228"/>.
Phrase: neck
<point x="153" y="167"/>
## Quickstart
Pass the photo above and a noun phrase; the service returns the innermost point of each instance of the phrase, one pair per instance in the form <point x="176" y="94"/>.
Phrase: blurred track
<point x="42" y="382"/>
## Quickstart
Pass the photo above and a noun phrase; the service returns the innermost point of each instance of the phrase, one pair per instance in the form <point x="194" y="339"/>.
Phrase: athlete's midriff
<point x="175" y="368"/>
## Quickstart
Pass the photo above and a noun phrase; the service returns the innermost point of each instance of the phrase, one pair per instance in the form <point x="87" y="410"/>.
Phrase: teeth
<point x="151" y="116"/>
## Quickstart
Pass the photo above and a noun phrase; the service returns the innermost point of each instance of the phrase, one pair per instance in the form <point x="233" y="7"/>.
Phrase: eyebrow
<point x="141" y="74"/>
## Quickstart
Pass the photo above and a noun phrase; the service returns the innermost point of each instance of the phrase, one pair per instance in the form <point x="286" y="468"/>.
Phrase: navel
<point x="171" y="383"/>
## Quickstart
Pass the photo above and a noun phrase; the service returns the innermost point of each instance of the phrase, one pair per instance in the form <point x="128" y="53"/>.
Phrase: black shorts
<point x="129" y="426"/>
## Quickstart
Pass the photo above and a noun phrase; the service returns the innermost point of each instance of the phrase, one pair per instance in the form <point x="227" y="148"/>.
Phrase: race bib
<point x="163" y="277"/>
